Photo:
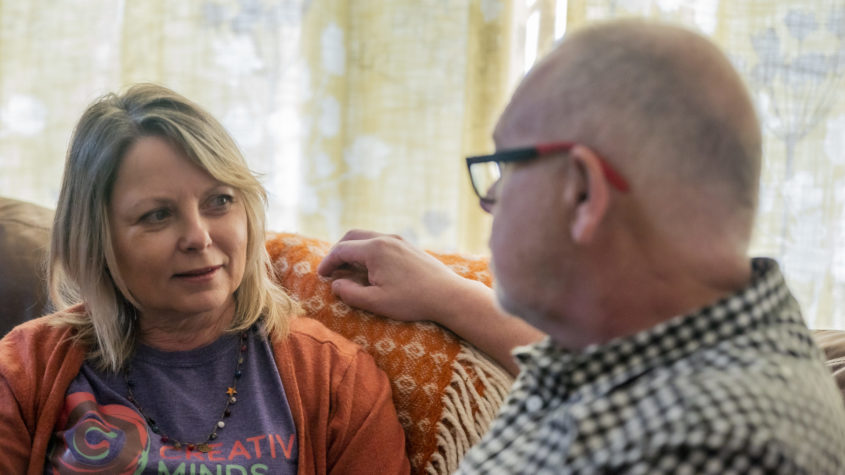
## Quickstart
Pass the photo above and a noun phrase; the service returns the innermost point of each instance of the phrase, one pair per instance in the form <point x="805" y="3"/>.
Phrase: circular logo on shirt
<point x="91" y="438"/>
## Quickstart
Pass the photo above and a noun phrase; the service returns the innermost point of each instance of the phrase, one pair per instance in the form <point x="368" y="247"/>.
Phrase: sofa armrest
<point x="24" y="241"/>
<point x="832" y="342"/>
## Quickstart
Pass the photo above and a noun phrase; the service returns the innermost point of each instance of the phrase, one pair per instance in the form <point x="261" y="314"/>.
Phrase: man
<point x="630" y="161"/>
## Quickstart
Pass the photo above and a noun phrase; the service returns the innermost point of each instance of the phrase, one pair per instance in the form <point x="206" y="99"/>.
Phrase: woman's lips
<point x="198" y="275"/>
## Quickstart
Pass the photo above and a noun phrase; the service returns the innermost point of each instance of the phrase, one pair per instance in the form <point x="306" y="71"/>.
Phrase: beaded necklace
<point x="231" y="399"/>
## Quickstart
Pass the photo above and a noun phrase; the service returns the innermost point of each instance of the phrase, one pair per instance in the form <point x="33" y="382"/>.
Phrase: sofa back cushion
<point x="24" y="240"/>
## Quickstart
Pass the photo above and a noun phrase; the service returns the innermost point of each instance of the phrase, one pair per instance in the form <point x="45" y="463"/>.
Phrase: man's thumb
<point x="351" y="293"/>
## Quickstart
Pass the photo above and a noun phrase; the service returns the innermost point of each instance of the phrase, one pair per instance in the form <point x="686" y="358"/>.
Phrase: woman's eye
<point x="221" y="202"/>
<point x="156" y="216"/>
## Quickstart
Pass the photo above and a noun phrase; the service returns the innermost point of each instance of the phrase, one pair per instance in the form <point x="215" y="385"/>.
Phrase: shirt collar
<point x="765" y="301"/>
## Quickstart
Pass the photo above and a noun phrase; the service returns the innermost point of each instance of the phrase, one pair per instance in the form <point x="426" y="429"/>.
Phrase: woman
<point x="174" y="351"/>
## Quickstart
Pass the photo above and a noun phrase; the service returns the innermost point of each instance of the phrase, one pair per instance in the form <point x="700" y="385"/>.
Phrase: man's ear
<point x="591" y="194"/>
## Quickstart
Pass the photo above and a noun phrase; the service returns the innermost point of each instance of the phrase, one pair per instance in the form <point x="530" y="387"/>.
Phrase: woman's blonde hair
<point x="82" y="264"/>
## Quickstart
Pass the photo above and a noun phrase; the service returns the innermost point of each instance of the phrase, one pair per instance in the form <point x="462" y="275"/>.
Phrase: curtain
<point x="355" y="113"/>
<point x="398" y="92"/>
<point x="238" y="59"/>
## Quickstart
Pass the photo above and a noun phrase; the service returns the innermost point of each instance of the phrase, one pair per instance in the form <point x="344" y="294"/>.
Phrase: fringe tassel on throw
<point x="467" y="412"/>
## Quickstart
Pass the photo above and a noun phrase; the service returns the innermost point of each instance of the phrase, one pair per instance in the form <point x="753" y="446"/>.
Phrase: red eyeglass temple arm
<point x="613" y="177"/>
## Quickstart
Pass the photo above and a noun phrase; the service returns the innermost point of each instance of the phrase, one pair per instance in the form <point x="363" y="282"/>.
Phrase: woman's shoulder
<point x="43" y="327"/>
<point x="38" y="360"/>
<point x="310" y="335"/>
<point x="313" y="357"/>
<point x="39" y="336"/>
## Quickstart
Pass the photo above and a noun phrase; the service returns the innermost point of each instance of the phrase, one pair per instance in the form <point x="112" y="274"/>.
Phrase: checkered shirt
<point x="737" y="387"/>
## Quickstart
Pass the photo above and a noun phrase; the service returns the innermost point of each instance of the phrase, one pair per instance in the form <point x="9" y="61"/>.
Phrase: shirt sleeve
<point x="363" y="428"/>
<point x="16" y="438"/>
<point x="15" y="435"/>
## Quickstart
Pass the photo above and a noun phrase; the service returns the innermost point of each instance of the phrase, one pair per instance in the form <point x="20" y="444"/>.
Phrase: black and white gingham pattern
<point x="738" y="387"/>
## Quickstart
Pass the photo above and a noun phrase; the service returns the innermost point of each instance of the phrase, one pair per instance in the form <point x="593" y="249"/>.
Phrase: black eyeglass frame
<point x="527" y="153"/>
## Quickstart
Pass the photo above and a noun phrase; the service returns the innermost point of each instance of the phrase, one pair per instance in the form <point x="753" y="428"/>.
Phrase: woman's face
<point x="179" y="235"/>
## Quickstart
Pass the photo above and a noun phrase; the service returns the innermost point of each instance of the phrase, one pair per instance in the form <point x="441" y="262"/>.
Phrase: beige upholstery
<point x="24" y="240"/>
<point x="833" y="344"/>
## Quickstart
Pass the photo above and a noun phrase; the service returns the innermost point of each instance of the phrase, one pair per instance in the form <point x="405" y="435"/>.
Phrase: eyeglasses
<point x="485" y="171"/>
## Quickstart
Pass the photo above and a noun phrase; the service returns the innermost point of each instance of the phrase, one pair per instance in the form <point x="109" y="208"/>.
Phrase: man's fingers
<point x="342" y="254"/>
<point x="357" y="248"/>
<point x="359" y="234"/>
<point x="351" y="272"/>
<point x="356" y="295"/>
<point x="351" y="249"/>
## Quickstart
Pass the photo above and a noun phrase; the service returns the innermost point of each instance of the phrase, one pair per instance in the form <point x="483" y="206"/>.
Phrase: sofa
<point x="446" y="392"/>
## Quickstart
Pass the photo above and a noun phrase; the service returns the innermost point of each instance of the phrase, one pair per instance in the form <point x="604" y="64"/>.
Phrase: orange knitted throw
<point x="446" y="392"/>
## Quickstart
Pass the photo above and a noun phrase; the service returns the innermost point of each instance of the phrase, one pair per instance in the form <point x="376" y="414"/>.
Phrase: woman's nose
<point x="195" y="233"/>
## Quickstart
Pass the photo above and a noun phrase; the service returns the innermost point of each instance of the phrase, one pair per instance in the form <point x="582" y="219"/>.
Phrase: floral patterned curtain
<point x="398" y="92"/>
<point x="239" y="59"/>
<point x="356" y="113"/>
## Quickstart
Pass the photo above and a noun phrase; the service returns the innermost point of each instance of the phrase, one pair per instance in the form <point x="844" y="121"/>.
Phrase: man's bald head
<point x="659" y="102"/>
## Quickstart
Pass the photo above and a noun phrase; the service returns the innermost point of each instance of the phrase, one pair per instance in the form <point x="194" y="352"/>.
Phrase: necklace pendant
<point x="204" y="448"/>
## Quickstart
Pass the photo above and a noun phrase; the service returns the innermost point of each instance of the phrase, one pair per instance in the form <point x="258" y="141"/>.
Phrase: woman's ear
<point x="591" y="194"/>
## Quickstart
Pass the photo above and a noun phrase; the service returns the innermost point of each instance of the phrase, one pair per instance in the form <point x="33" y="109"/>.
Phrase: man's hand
<point x="386" y="275"/>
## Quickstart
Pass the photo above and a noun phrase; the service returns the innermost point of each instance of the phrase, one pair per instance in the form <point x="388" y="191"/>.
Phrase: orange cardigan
<point x="340" y="400"/>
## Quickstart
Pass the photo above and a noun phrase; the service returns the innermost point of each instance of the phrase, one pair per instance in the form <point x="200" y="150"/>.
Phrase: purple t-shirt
<point x="100" y="431"/>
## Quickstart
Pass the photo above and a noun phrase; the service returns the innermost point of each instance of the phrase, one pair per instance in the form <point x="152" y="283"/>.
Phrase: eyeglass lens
<point x="485" y="176"/>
